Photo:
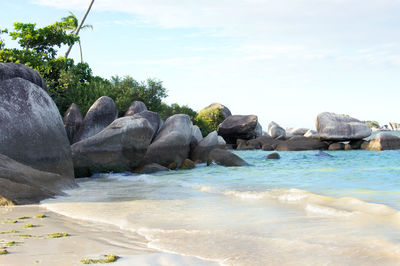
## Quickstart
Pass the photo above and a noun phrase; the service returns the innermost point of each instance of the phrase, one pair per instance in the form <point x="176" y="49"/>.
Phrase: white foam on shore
<point x="162" y="259"/>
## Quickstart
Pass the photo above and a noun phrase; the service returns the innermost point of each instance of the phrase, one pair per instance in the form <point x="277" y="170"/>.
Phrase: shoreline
<point x="85" y="240"/>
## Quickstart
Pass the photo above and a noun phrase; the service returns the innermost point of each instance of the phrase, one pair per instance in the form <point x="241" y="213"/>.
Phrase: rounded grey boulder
<point x="102" y="113"/>
<point x="384" y="141"/>
<point x="205" y="146"/>
<point x="336" y="127"/>
<point x="300" y="143"/>
<point x="172" y="144"/>
<point x="136" y="107"/>
<point x="119" y="147"/>
<point x="72" y="121"/>
<point x="31" y="128"/>
<point x="16" y="70"/>
<point x="276" y="131"/>
<point x="225" y="158"/>
<point x="154" y="120"/>
<point x="239" y="127"/>
<point x="21" y="184"/>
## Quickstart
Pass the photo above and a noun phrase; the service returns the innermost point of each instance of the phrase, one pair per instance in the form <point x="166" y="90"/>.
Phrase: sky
<point x="284" y="61"/>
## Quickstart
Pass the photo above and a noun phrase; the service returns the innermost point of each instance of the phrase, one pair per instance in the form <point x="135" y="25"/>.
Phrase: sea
<point x="302" y="209"/>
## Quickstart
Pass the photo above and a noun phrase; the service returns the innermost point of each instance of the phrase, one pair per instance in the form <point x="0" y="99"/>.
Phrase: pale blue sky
<point x="284" y="61"/>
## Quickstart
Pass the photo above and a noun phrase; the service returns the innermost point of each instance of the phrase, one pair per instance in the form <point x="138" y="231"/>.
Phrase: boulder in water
<point x="21" y="184"/>
<point x="239" y="127"/>
<point x="335" y="127"/>
<point x="273" y="155"/>
<point x="384" y="141"/>
<point x="172" y="144"/>
<point x="119" y="147"/>
<point x="225" y="158"/>
<point x="205" y="146"/>
<point x="299" y="143"/>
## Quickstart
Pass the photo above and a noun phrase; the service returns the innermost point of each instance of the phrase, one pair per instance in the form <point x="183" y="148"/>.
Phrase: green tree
<point x="127" y="89"/>
<point x="72" y="24"/>
<point x="38" y="49"/>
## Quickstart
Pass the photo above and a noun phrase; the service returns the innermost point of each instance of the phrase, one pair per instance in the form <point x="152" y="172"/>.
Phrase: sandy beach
<point x="33" y="246"/>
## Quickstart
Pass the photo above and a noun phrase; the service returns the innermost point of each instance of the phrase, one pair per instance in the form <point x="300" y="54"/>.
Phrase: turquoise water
<point x="300" y="210"/>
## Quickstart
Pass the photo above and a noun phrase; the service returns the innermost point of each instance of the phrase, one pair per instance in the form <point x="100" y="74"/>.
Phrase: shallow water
<point x="299" y="210"/>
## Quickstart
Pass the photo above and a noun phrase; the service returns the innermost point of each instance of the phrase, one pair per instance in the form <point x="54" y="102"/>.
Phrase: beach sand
<point x="85" y="240"/>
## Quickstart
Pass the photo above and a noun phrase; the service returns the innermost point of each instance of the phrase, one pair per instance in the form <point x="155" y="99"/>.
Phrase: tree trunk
<point x="80" y="49"/>
<point x="79" y="28"/>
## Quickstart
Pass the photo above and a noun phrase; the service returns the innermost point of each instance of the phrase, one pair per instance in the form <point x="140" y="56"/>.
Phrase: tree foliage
<point x="372" y="124"/>
<point x="209" y="119"/>
<point x="75" y="83"/>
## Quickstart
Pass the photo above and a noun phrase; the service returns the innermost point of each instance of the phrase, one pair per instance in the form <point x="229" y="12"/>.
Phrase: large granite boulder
<point x="72" y="121"/>
<point x="276" y="131"/>
<point x="336" y="127"/>
<point x="239" y="127"/>
<point x="300" y="143"/>
<point x="225" y="158"/>
<point x="102" y="113"/>
<point x="383" y="141"/>
<point x="31" y="128"/>
<point x="15" y="70"/>
<point x="196" y="136"/>
<point x="200" y="153"/>
<point x="119" y="147"/>
<point x="172" y="144"/>
<point x="154" y="120"/>
<point x="136" y="107"/>
<point x="21" y="184"/>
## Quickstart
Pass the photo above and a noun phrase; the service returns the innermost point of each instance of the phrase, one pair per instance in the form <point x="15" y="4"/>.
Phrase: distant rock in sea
<point x="336" y="127"/>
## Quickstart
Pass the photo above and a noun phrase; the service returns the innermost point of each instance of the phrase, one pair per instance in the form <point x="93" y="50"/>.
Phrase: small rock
<point x="337" y="146"/>
<point x="187" y="164"/>
<point x="150" y="168"/>
<point x="225" y="158"/>
<point x="273" y="155"/>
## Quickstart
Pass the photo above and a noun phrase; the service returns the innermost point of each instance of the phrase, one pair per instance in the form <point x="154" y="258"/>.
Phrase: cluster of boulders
<point x="41" y="153"/>
<point x="140" y="141"/>
<point x="334" y="132"/>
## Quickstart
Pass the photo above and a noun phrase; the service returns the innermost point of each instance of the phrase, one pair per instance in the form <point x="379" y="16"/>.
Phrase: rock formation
<point x="21" y="184"/>
<point x="300" y="143"/>
<point x="239" y="127"/>
<point x="31" y="128"/>
<point x="72" y="121"/>
<point x="276" y="131"/>
<point x="225" y="158"/>
<point x="102" y="113"/>
<point x="205" y="146"/>
<point x="172" y="144"/>
<point x="383" y="141"/>
<point x="136" y="107"/>
<point x="331" y="126"/>
<point x="119" y="147"/>
<point x="15" y="70"/>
